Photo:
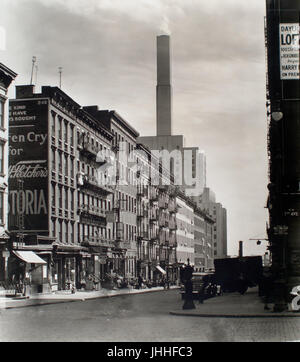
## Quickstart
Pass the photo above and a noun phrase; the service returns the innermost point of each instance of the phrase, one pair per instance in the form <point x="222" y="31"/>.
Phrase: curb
<point x="83" y="299"/>
<point x="40" y="304"/>
<point x="245" y="315"/>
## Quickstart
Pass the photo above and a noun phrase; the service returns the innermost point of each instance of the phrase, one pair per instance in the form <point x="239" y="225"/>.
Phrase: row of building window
<point x="84" y="136"/>
<point x="65" y="164"/>
<point x="126" y="202"/>
<point x="64" y="230"/>
<point x="65" y="131"/>
<point x="119" y="138"/>
<point x="90" y="231"/>
<point x="85" y="199"/>
<point x="63" y="195"/>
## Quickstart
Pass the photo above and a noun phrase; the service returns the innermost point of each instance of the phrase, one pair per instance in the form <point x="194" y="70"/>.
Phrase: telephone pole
<point x="32" y="69"/>
<point x="60" y="73"/>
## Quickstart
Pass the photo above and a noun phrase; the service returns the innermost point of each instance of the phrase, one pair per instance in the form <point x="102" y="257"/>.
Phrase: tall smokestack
<point x="163" y="88"/>
<point x="240" y="249"/>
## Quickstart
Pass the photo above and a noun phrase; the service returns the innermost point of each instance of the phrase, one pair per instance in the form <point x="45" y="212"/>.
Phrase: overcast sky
<point x="107" y="49"/>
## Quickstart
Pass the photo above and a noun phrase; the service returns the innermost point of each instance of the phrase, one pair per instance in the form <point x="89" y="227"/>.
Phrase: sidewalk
<point x="231" y="305"/>
<point x="67" y="297"/>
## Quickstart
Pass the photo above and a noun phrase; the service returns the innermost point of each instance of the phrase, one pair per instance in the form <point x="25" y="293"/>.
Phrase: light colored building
<point x="207" y="202"/>
<point x="6" y="77"/>
<point x="185" y="229"/>
<point x="156" y="224"/>
<point x="220" y="231"/>
<point x="194" y="171"/>
<point x="203" y="235"/>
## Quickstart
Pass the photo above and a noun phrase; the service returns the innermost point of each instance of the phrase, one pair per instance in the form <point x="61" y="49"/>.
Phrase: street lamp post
<point x="187" y="275"/>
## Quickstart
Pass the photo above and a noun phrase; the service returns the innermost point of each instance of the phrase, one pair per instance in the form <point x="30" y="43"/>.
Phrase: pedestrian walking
<point x="166" y="283"/>
<point x="268" y="286"/>
<point x="203" y="289"/>
<point x="140" y="282"/>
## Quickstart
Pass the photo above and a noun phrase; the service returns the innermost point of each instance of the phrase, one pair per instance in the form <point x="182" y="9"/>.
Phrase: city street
<point x="137" y="318"/>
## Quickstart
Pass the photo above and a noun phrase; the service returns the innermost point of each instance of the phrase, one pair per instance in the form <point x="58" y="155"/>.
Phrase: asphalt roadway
<point x="136" y="318"/>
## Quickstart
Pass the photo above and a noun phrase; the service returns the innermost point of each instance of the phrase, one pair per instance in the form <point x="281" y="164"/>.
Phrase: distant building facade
<point x="203" y="244"/>
<point x="207" y="202"/>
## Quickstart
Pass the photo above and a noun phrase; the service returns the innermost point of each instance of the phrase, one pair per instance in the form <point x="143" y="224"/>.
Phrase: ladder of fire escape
<point x="21" y="210"/>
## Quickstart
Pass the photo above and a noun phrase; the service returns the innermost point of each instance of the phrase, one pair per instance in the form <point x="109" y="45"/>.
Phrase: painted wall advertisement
<point x="289" y="51"/>
<point x="28" y="165"/>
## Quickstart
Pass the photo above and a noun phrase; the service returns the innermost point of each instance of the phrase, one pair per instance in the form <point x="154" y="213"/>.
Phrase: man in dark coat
<point x="268" y="287"/>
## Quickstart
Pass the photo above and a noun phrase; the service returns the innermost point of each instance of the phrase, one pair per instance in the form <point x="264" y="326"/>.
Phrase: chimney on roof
<point x="24" y="91"/>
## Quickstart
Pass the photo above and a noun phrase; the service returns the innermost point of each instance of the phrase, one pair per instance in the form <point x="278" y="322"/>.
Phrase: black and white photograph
<point x="149" y="173"/>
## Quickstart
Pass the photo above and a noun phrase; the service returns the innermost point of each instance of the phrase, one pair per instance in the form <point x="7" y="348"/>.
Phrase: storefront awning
<point x="161" y="269"/>
<point x="29" y="257"/>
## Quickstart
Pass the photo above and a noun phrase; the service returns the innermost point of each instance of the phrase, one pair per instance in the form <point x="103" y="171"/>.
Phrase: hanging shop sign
<point x="111" y="216"/>
<point x="289" y="50"/>
<point x="120" y="230"/>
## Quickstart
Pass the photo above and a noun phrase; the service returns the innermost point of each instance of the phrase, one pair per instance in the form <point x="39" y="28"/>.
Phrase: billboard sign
<point x="28" y="165"/>
<point x="289" y="51"/>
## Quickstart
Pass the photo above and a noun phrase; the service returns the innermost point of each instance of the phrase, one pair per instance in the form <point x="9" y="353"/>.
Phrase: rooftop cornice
<point x="94" y="123"/>
<point x="124" y="123"/>
<point x="7" y="71"/>
<point x="6" y="75"/>
<point x="58" y="95"/>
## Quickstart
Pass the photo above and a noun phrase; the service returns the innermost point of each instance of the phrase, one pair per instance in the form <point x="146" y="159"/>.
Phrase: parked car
<point x="204" y="285"/>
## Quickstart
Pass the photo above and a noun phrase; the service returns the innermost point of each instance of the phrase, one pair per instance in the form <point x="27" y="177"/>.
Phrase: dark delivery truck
<point x="238" y="274"/>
